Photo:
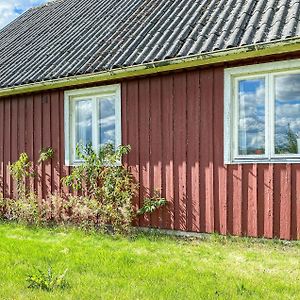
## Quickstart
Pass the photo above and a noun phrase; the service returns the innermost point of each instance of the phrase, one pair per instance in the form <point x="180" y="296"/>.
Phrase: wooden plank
<point x="268" y="201"/>
<point x="168" y="153"/>
<point x="297" y="200"/>
<point x="46" y="143"/>
<point x="7" y="143"/>
<point x="295" y="217"/>
<point x="246" y="169"/>
<point x="14" y="151"/>
<point x="21" y="124"/>
<point x="230" y="186"/>
<point x="22" y="130"/>
<point x="237" y="197"/>
<point x="193" y="151"/>
<point x="144" y="138"/>
<point x="261" y="198"/>
<point x="29" y="134"/>
<point x="2" y="124"/>
<point x="206" y="151"/>
<point x="156" y="144"/>
<point x="220" y="170"/>
<point x="133" y="133"/>
<point x="37" y="117"/>
<point x="180" y="90"/>
<point x="277" y="199"/>
<point x="285" y="203"/>
<point x="252" y="201"/>
<point x="55" y="142"/>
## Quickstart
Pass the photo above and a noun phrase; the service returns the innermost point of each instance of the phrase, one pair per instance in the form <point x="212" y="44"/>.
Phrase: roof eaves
<point x="221" y="56"/>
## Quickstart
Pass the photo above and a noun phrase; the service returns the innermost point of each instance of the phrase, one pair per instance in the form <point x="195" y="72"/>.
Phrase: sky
<point x="11" y="9"/>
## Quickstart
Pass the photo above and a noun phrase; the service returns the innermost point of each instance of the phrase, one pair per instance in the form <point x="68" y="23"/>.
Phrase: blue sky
<point x="11" y="9"/>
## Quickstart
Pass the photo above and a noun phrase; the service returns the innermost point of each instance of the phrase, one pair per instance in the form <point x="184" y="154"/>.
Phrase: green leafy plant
<point x="47" y="281"/>
<point x="46" y="154"/>
<point x="102" y="192"/>
<point x="152" y="203"/>
<point x="20" y="170"/>
<point x="2" y="206"/>
<point x="80" y="211"/>
<point x="290" y="146"/>
<point x="102" y="180"/>
<point x="23" y="210"/>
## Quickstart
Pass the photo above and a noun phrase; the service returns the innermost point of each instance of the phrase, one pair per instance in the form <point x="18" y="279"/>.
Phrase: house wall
<point x="174" y="124"/>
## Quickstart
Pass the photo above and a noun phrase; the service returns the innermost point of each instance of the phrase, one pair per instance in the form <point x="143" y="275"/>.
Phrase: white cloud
<point x="9" y="10"/>
<point x="252" y="115"/>
<point x="288" y="87"/>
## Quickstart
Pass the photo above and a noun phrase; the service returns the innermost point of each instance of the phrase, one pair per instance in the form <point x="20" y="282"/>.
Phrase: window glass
<point x="251" y="117"/>
<point x="93" y="116"/>
<point x="287" y="114"/>
<point x="107" y="120"/>
<point x="83" y="122"/>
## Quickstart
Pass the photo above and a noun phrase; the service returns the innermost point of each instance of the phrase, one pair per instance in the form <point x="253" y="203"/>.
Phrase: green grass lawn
<point x="147" y="266"/>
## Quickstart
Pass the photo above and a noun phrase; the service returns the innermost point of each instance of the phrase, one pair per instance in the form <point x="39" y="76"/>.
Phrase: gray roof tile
<point x="73" y="37"/>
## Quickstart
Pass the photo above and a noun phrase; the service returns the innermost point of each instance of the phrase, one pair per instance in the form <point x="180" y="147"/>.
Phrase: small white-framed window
<point x="262" y="113"/>
<point x="92" y="115"/>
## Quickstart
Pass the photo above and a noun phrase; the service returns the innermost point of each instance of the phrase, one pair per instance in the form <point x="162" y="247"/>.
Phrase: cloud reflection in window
<point x="287" y="113"/>
<point x="251" y="119"/>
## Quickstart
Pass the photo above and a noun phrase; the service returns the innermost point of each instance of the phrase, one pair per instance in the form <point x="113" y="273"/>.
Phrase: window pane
<point x="287" y="114"/>
<point x="83" y="122"/>
<point x="107" y="120"/>
<point x="251" y="117"/>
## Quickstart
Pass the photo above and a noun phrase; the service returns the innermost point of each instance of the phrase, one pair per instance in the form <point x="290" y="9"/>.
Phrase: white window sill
<point x="78" y="163"/>
<point x="264" y="161"/>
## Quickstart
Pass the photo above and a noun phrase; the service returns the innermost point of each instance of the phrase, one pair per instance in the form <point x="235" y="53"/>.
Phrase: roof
<point x="72" y="37"/>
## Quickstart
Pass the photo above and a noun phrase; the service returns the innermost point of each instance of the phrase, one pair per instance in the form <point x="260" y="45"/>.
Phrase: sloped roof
<point x="73" y="37"/>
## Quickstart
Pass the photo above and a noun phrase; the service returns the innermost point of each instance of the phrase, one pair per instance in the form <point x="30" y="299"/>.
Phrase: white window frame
<point x="96" y="93"/>
<point x="231" y="77"/>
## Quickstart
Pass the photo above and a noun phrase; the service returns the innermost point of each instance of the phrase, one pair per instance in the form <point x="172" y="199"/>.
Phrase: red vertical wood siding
<point x="144" y="148"/>
<point x="7" y="143"/>
<point x="132" y="133"/>
<point x="174" y="124"/>
<point x="29" y="124"/>
<point x="181" y="150"/>
<point x="180" y="144"/>
<point x="193" y="151"/>
<point x="156" y="144"/>
<point x="207" y="150"/>
<point x="168" y="150"/>
<point x="2" y="147"/>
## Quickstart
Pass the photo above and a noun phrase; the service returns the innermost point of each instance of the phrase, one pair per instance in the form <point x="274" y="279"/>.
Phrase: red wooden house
<point x="207" y="93"/>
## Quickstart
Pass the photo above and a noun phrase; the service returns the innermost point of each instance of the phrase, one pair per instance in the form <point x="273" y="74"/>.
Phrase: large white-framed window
<point x="262" y="113"/>
<point x="92" y="115"/>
